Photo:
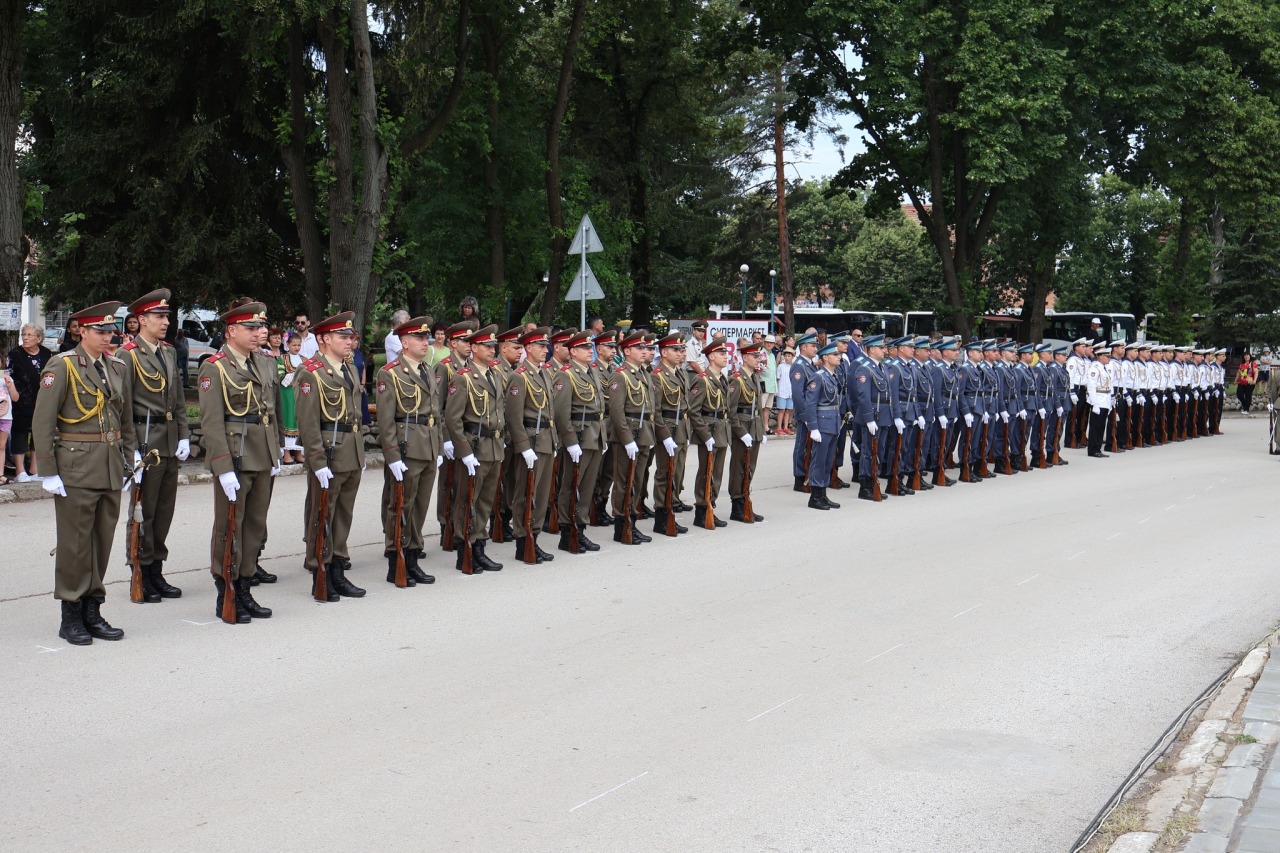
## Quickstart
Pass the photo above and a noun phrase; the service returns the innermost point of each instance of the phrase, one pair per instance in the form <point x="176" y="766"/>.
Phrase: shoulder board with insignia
<point x="565" y="368"/>
<point x="313" y="363"/>
<point x="131" y="345"/>
<point x="217" y="356"/>
<point x="166" y="344"/>
<point x="393" y="364"/>
<point x="69" y="354"/>
<point x="702" y="373"/>
<point x="116" y="360"/>
<point x="524" y="368"/>
<point x="448" y="359"/>
<point x="466" y="369"/>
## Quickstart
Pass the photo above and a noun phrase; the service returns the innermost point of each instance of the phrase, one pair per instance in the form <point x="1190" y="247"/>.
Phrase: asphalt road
<point x="971" y="669"/>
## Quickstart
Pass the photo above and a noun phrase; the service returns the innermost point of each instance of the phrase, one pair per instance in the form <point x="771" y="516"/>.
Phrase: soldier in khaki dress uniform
<point x="160" y="423"/>
<point x="746" y="422"/>
<point x="409" y="430"/>
<point x="531" y="423"/>
<point x="328" y="408"/>
<point x="474" y="418"/>
<point x="83" y="440"/>
<point x="631" y="417"/>
<point x="509" y="354"/>
<point x="606" y="345"/>
<point x="671" y="425"/>
<point x="582" y="436"/>
<point x="709" y="411"/>
<point x="459" y="355"/>
<point x="242" y="445"/>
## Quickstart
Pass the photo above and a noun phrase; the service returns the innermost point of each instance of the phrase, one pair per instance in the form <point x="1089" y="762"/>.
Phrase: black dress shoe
<point x="587" y="544"/>
<point x="344" y="587"/>
<point x="681" y="506"/>
<point x="481" y="560"/>
<point x="816" y="501"/>
<point x="244" y="597"/>
<point x="95" y="624"/>
<point x="1098" y="455"/>
<point x="262" y="575"/>
<point x="72" y="627"/>
<point x="242" y="615"/>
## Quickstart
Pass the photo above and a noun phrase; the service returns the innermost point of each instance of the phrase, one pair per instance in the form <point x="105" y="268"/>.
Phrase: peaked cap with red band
<point x="338" y="324"/>
<point x="155" y="302"/>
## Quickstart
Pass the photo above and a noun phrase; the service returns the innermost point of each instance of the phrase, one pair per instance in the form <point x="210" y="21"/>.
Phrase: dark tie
<point x="102" y="374"/>
<point x="422" y="371"/>
<point x="248" y="365"/>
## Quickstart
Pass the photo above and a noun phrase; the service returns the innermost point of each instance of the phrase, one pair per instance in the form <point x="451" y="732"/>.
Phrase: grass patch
<point x="1127" y="817"/>
<point x="1177" y="829"/>
<point x="1238" y="738"/>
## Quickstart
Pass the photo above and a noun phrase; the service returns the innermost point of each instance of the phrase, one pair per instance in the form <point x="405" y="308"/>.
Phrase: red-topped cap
<point x="537" y="336"/>
<point x="565" y="335"/>
<point x="338" y="324"/>
<point x="487" y="335"/>
<point x="155" y="302"/>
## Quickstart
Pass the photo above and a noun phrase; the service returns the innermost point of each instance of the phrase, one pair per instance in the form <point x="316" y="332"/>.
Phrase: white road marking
<point x="1189" y="497"/>
<point x="610" y="791"/>
<point x="963" y="612"/>
<point x="1145" y="520"/>
<point x="1030" y="579"/>
<point x="883" y="653"/>
<point x="1076" y="554"/>
<point x="1113" y="536"/>
<point x="774" y="708"/>
<point x="189" y="622"/>
<point x="44" y="650"/>
<point x="1169" y="507"/>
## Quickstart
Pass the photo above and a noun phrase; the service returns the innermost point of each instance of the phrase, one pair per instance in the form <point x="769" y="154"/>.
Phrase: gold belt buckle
<point x="431" y="420"/>
<point x="266" y="420"/>
<point x="109" y="436"/>
<point x="168" y="416"/>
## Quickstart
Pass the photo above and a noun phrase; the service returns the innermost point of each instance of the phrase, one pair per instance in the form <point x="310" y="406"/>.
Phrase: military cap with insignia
<point x="511" y="336"/>
<point x="565" y="335"/>
<point x="698" y="324"/>
<point x="873" y="341"/>
<point x="1026" y="348"/>
<point x="155" y="302"/>
<point x="717" y="344"/>
<point x="461" y="330"/>
<point x="635" y="339"/>
<point x="811" y="338"/>
<point x="540" y="335"/>
<point x="487" y="336"/>
<point x="251" y="314"/>
<point x="339" y="324"/>
<point x="575" y="339"/>
<point x="418" y="327"/>
<point x="947" y="343"/>
<point x="829" y="349"/>
<point x="1043" y="348"/>
<point x="98" y="316"/>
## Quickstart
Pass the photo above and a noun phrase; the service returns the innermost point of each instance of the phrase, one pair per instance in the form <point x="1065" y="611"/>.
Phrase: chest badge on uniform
<point x="613" y="386"/>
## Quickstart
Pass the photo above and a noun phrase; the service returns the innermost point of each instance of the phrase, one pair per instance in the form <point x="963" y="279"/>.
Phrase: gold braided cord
<point x="404" y="398"/>
<point x="147" y="378"/>
<point x="247" y="387"/>
<point x="580" y="389"/>
<point x="538" y="395"/>
<point x="668" y="389"/>
<point x="640" y="387"/>
<point x="750" y="395"/>
<point x="77" y="385"/>
<point x="715" y="393"/>
<point x="331" y="409"/>
<point x="473" y="396"/>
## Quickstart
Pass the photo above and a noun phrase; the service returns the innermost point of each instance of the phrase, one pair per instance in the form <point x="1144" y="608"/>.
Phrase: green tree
<point x="891" y="266"/>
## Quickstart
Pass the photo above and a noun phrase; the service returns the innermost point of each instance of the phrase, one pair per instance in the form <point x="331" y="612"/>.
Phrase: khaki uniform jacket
<point x="227" y="391"/>
<point x="745" y="415"/>
<point x="444" y="369"/>
<point x="631" y="406"/>
<point x="709" y="408"/>
<point x="671" y="399"/>
<point x="585" y="424"/>
<point x="156" y="388"/>
<point x="402" y="391"/>
<point x="324" y="397"/>
<point x="531" y="416"/>
<point x="73" y="403"/>
<point x="474" y="416"/>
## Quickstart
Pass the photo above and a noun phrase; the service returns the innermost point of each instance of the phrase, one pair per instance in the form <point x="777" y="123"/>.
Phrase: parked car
<point x="53" y="336"/>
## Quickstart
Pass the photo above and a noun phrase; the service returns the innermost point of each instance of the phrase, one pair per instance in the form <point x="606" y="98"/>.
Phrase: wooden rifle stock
<point x="135" y="533"/>
<point x="320" y="589"/>
<point x="1111" y="421"/>
<point x="1044" y="446"/>
<point x="709" y="513"/>
<point x="748" y="513"/>
<point x="670" y="498"/>
<point x="575" y="544"/>
<point x="875" y="469"/>
<point x="1022" y="446"/>
<point x="446" y="534"/>
<point x="397" y="530"/>
<point x="940" y="476"/>
<point x="1057" y="439"/>
<point x="553" y="517"/>
<point x="1008" y="450"/>
<point x="465" y="544"/>
<point x="808" y="455"/>
<point x="962" y="447"/>
<point x="628" y="508"/>
<point x="916" y="479"/>
<point x="530" y="554"/>
<point x="983" y="470"/>
<point x="895" y="487"/>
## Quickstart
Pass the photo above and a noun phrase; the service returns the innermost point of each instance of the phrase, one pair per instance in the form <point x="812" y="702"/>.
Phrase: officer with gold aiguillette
<point x="160" y="423"/>
<point x="408" y="429"/>
<point x="328" y="408"/>
<point x="532" y="414"/>
<point x="84" y="441"/>
<point x="242" y="444"/>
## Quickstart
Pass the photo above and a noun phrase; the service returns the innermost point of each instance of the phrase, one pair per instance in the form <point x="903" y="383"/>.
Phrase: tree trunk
<point x="642" y="258"/>
<point x="780" y="182"/>
<point x="362" y="283"/>
<point x="1218" y="238"/>
<point x="294" y="155"/>
<point x="341" y="159"/>
<point x="13" y="249"/>
<point x="495" y="216"/>
<point x="555" y="204"/>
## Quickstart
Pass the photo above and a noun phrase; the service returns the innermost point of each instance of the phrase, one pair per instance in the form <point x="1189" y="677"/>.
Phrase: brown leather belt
<point x="109" y="435"/>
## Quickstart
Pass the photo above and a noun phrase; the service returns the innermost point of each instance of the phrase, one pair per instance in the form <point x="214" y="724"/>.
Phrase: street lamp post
<point x="744" y="269"/>
<point x="773" y="274"/>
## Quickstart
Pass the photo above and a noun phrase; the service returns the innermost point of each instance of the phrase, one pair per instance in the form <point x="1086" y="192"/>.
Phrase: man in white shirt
<point x="392" y="343"/>
<point x="302" y="325"/>
<point x="697" y="340"/>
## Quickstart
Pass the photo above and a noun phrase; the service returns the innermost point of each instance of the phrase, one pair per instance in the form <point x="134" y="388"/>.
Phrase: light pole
<point x="744" y="269"/>
<point x="773" y="274"/>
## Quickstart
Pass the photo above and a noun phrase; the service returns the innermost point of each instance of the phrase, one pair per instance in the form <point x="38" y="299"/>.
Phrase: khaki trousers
<point x="159" y="491"/>
<point x="418" y="481"/>
<point x="252" y="502"/>
<point x="588" y="473"/>
<point x="86" y="524"/>
<point x="342" y="503"/>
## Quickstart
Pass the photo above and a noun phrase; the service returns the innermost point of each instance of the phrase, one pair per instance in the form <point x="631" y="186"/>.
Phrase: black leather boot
<point x="636" y="535"/>
<point x="261" y="575"/>
<point x="587" y="544"/>
<point x="479" y="558"/>
<point x="242" y="615"/>
<point x="415" y="570"/>
<point x="160" y="585"/>
<point x="643" y="513"/>
<point x="904" y="488"/>
<point x="735" y="510"/>
<point x="150" y="595"/>
<point x="244" y="597"/>
<point x="830" y="503"/>
<point x="603" y="518"/>
<point x="815" y="499"/>
<point x="508" y="532"/>
<point x="700" y="516"/>
<point x="564" y="542"/>
<point x="799" y="485"/>
<point x="681" y="506"/>
<point x="618" y="525"/>
<point x="476" y="568"/>
<point x="543" y="556"/>
<point x="864" y="489"/>
<point x="72" y="627"/>
<point x="95" y="624"/>
<point x="410" y="580"/>
<point x="520" y="540"/>
<point x="338" y="577"/>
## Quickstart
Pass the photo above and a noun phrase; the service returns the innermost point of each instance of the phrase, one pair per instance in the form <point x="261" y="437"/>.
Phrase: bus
<point x="830" y="320"/>
<point x="1063" y="327"/>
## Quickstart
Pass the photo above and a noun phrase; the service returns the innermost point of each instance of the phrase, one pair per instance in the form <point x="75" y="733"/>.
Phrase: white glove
<point x="137" y="467"/>
<point x="230" y="485"/>
<point x="968" y="420"/>
<point x="632" y="449"/>
<point x="944" y="421"/>
<point x="128" y="481"/>
<point x="1074" y="399"/>
<point x="669" y="445"/>
<point x="398" y="470"/>
<point x="530" y="458"/>
<point x="1271" y="407"/>
<point x="747" y="439"/>
<point x="575" y="452"/>
<point x="184" y="449"/>
<point x="986" y="417"/>
<point x="472" y="463"/>
<point x="815" y="435"/>
<point x="711" y="444"/>
<point x="1097" y="411"/>
<point x="287" y="381"/>
<point x="902" y="427"/>
<point x="1004" y="416"/>
<point x="1022" y="413"/>
<point x="1059" y="411"/>
<point x="53" y="485"/>
<point x="1142" y="400"/>
<point x="764" y="439"/>
<point x="324" y="475"/>
<point x="920" y="422"/>
<point x="872" y="427"/>
<point x="1197" y="394"/>
<point x="448" y="450"/>
<point x="439" y="461"/>
<point x="1043" y="414"/>
<point x="276" y="469"/>
<point x="1177" y="398"/>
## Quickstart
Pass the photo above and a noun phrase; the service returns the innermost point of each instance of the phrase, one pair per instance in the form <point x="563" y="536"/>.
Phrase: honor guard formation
<point x="525" y="432"/>
<point x="520" y="433"/>
<point x="914" y="409"/>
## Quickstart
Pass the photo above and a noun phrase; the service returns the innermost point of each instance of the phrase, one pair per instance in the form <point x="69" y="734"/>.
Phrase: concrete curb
<point x="192" y="473"/>
<point x="1195" y="801"/>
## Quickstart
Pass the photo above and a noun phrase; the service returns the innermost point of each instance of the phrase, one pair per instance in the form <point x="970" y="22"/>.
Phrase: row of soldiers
<point x="910" y="408"/>
<point x="524" y="432"/>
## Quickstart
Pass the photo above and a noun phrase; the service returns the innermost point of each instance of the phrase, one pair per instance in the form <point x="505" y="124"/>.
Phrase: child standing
<point x="783" y="401"/>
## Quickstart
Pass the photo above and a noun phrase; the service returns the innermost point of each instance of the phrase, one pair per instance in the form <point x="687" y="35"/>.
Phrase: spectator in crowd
<point x="855" y="346"/>
<point x="391" y="344"/>
<point x="71" y="338"/>
<point x="275" y="343"/>
<point x="131" y="328"/>
<point x="183" y="348"/>
<point x="302" y="325"/>
<point x="288" y="369"/>
<point x="782" y="376"/>
<point x="1246" y="378"/>
<point x="8" y="396"/>
<point x="24" y="363"/>
<point x="1264" y="366"/>
<point x="770" y="370"/>
<point x="357" y="361"/>
<point x="469" y="309"/>
<point x="438" y="350"/>
<point x="693" y="346"/>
